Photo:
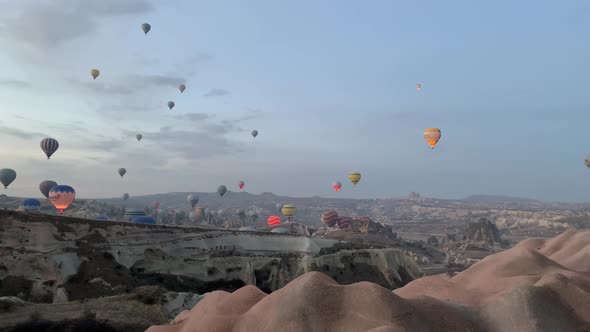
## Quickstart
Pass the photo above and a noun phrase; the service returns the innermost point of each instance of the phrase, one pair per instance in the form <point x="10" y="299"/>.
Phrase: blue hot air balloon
<point x="144" y="220"/>
<point x="101" y="218"/>
<point x="30" y="205"/>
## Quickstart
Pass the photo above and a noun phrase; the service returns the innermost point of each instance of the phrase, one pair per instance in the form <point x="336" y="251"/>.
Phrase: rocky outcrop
<point x="50" y="258"/>
<point x="482" y="231"/>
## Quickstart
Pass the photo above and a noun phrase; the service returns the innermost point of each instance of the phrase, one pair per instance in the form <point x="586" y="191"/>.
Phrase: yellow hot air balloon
<point x="354" y="177"/>
<point x="94" y="73"/>
<point x="432" y="135"/>
<point x="289" y="211"/>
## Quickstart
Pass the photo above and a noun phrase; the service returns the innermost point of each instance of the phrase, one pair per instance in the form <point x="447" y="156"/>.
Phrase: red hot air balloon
<point x="241" y="185"/>
<point x="274" y="220"/>
<point x="344" y="222"/>
<point x="156" y="204"/>
<point x="337" y="185"/>
<point x="330" y="218"/>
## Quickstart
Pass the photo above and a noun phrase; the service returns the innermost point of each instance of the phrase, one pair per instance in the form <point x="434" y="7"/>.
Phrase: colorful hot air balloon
<point x="354" y="177"/>
<point x="30" y="205"/>
<point x="125" y="196"/>
<point x="192" y="199"/>
<point x="289" y="211"/>
<point x="330" y="218"/>
<point x="418" y="86"/>
<point x="182" y="87"/>
<point x="254" y="133"/>
<point x="122" y="171"/>
<point x="432" y="135"/>
<point x="337" y="185"/>
<point x="273" y="220"/>
<point x="344" y="222"/>
<point x="7" y="175"/>
<point x="156" y="204"/>
<point x="139" y="137"/>
<point x="94" y="73"/>
<point x="221" y="190"/>
<point x="171" y="104"/>
<point x="241" y="185"/>
<point x="45" y="186"/>
<point x="49" y="146"/>
<point x="146" y="27"/>
<point x="61" y="196"/>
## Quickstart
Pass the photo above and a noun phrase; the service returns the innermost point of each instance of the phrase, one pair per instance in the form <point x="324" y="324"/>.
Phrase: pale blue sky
<point x="330" y="85"/>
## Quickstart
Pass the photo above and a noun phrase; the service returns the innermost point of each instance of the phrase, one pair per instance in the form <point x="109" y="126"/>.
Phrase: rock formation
<point x="483" y="231"/>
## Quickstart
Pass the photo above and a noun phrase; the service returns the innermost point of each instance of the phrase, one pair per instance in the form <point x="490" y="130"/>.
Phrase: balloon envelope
<point x="146" y="27"/>
<point x="122" y="171"/>
<point x="354" y="177"/>
<point x="139" y="137"/>
<point x="125" y="196"/>
<point x="337" y="185"/>
<point x="30" y="204"/>
<point x="221" y="190"/>
<point x="273" y="220"/>
<point x="241" y="185"/>
<point x="156" y="204"/>
<point x="289" y="210"/>
<point x="49" y="146"/>
<point x="254" y="133"/>
<point x="330" y="218"/>
<point x="61" y="196"/>
<point x="45" y="186"/>
<point x="94" y="73"/>
<point x="432" y="135"/>
<point x="7" y="175"/>
<point x="192" y="199"/>
<point x="182" y="87"/>
<point x="144" y="220"/>
<point x="171" y="104"/>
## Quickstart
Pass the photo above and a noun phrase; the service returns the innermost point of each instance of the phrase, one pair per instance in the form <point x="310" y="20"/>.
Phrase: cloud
<point x="11" y="131"/>
<point x="216" y="92"/>
<point x="15" y="84"/>
<point x="48" y="24"/>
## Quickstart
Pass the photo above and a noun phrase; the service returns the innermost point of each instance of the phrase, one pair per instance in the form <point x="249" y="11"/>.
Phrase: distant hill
<point x="495" y="199"/>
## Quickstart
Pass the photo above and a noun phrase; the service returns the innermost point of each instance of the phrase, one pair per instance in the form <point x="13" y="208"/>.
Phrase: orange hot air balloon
<point x="418" y="86"/>
<point x="61" y="197"/>
<point x="432" y="135"/>
<point x="274" y="220"/>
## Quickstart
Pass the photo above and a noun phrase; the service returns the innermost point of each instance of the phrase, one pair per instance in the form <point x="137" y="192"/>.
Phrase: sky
<point x="329" y="85"/>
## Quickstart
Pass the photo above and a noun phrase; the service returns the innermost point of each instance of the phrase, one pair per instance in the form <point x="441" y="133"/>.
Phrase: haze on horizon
<point x="330" y="87"/>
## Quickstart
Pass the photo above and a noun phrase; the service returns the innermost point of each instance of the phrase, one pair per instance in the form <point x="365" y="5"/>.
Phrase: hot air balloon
<point x="254" y="133"/>
<point x="147" y="220"/>
<point x="221" y="190"/>
<point x="61" y="196"/>
<point x="171" y="104"/>
<point x="49" y="146"/>
<point x="103" y="218"/>
<point x="354" y="177"/>
<point x="139" y="137"/>
<point x="587" y="161"/>
<point x="432" y="135"/>
<point x="273" y="220"/>
<point x="418" y="86"/>
<point x="330" y="218"/>
<point x="156" y="204"/>
<point x="289" y="211"/>
<point x="125" y="196"/>
<point x="182" y="87"/>
<point x="45" y="186"/>
<point x="7" y="175"/>
<point x="337" y="185"/>
<point x="122" y="171"/>
<point x="146" y="27"/>
<point x="192" y="199"/>
<point x="94" y="73"/>
<point x="30" y="205"/>
<point x="241" y="185"/>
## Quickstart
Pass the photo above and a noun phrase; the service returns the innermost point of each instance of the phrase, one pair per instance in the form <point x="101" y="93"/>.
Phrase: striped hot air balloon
<point x="330" y="218"/>
<point x="49" y="146"/>
<point x="274" y="220"/>
<point x="432" y="135"/>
